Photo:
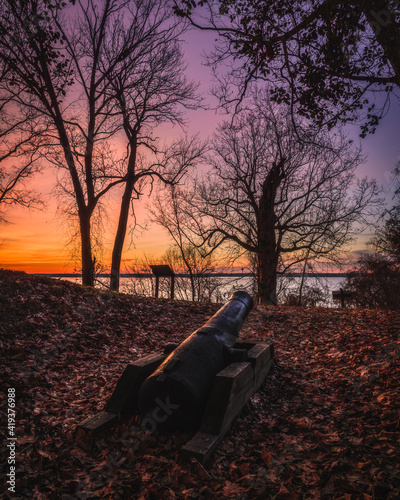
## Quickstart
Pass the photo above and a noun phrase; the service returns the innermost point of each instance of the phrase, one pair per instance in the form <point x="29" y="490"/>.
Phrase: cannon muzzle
<point x="176" y="393"/>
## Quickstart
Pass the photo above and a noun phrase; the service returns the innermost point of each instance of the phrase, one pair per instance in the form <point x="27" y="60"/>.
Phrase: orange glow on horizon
<point x="35" y="242"/>
<point x="32" y="247"/>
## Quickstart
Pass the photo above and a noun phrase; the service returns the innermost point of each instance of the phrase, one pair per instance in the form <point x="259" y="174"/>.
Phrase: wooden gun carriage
<point x="202" y="384"/>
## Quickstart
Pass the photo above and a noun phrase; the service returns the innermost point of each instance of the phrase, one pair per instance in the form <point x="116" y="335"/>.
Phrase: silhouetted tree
<point x="375" y="281"/>
<point x="94" y="72"/>
<point x="19" y="161"/>
<point x="322" y="57"/>
<point x="172" y="164"/>
<point x="200" y="287"/>
<point x="279" y="198"/>
<point x="387" y="240"/>
<point x="148" y="87"/>
<point x="170" y="211"/>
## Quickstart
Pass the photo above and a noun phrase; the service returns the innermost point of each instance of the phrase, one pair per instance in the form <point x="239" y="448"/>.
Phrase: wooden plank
<point x="261" y="375"/>
<point x="239" y="398"/>
<point x="124" y="398"/>
<point x="232" y="389"/>
<point x="234" y="386"/>
<point x="99" y="422"/>
<point x="200" y="447"/>
<point x="260" y="353"/>
<point x="227" y="383"/>
<point x="240" y="375"/>
<point x="221" y="413"/>
<point x="261" y="357"/>
<point x="244" y="345"/>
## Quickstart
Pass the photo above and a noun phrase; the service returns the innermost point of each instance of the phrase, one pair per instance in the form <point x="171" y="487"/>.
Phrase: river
<point x="218" y="287"/>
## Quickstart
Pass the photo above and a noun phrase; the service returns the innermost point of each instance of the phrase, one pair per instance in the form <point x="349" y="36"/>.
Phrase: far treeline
<point x="85" y="86"/>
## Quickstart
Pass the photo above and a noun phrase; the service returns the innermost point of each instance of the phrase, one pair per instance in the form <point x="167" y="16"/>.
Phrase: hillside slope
<point x="324" y="425"/>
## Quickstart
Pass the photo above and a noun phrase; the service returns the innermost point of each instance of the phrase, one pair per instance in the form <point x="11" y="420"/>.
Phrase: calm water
<point x="219" y="289"/>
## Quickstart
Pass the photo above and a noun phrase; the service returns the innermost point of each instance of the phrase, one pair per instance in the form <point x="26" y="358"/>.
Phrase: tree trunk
<point x="120" y="236"/>
<point x="86" y="250"/>
<point x="123" y="220"/>
<point x="302" y="278"/>
<point x="192" y="284"/>
<point x="268" y="253"/>
<point x="382" y="19"/>
<point x="267" y="265"/>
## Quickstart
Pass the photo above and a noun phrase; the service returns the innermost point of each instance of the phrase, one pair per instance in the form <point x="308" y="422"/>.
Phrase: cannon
<point x="201" y="384"/>
<point x="185" y="378"/>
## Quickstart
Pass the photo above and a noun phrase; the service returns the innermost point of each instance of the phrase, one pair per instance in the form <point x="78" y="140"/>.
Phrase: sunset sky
<point x="35" y="241"/>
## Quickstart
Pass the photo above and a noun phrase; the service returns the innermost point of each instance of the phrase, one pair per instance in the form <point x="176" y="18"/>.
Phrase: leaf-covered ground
<point x="324" y="425"/>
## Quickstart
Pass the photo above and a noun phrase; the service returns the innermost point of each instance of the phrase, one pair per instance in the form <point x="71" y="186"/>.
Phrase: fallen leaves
<point x="324" y="425"/>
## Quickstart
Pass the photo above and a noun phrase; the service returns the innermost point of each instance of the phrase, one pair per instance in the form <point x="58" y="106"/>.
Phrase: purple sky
<point x="36" y="240"/>
<point x="382" y="148"/>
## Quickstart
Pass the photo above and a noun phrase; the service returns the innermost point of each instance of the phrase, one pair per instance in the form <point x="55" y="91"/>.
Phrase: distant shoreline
<point x="186" y="275"/>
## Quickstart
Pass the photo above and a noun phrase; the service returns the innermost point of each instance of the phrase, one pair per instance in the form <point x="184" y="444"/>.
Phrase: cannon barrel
<point x="176" y="393"/>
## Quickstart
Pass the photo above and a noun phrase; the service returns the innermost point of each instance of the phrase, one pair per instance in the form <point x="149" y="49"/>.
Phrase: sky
<point x="36" y="241"/>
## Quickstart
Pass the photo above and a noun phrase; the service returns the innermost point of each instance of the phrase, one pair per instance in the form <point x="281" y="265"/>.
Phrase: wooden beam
<point x="201" y="447"/>
<point x="99" y="422"/>
<point x="124" y="398"/>
<point x="232" y="388"/>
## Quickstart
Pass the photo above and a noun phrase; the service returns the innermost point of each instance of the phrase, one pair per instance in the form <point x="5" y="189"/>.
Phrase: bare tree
<point x="88" y="72"/>
<point x="375" y="280"/>
<point x="147" y="87"/>
<point x="327" y="59"/>
<point x="13" y="190"/>
<point x="199" y="287"/>
<point x="19" y="161"/>
<point x="170" y="211"/>
<point x="387" y="238"/>
<point x="276" y="197"/>
<point x="173" y="163"/>
<point x="374" y="283"/>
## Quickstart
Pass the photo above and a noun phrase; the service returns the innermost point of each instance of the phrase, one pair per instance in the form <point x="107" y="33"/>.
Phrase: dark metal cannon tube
<point x="176" y="393"/>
